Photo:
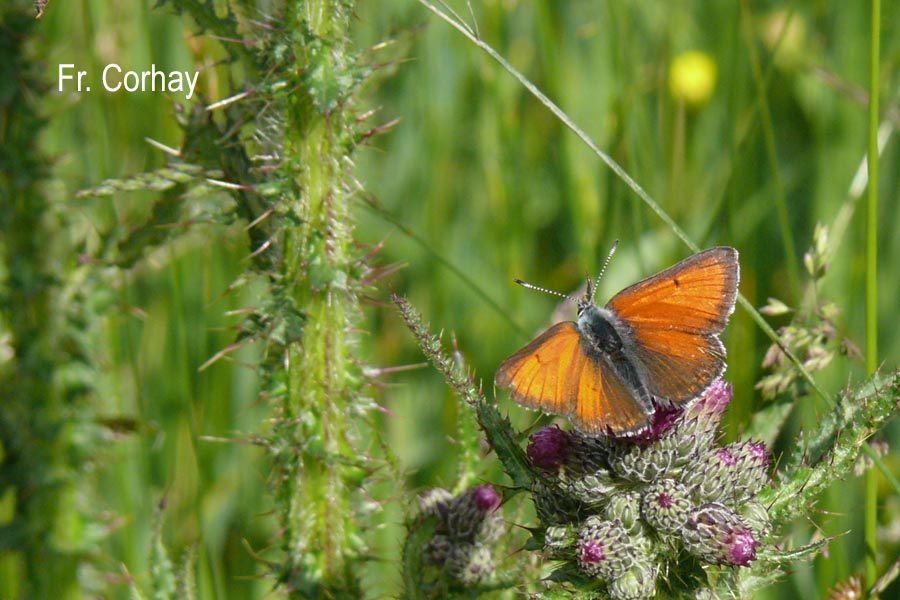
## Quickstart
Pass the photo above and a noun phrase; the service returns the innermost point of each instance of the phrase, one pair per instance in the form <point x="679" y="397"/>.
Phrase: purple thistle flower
<point x="665" y="506"/>
<point x="548" y="448"/>
<point x="661" y="421"/>
<point x="712" y="403"/>
<point x="742" y="548"/>
<point x="717" y="535"/>
<point x="603" y="549"/>
<point x="486" y="498"/>
<point x="591" y="553"/>
<point x="664" y="500"/>
<point x="726" y="457"/>
<point x="758" y="451"/>
<point x="717" y="396"/>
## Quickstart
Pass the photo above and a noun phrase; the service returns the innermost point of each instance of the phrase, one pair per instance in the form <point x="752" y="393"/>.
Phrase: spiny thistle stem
<point x="321" y="394"/>
<point x="497" y="429"/>
<point x="431" y="347"/>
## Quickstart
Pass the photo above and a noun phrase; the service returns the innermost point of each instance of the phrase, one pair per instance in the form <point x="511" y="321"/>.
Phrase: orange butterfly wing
<point x="553" y="374"/>
<point x="604" y="403"/>
<point x="675" y="318"/>
<point x="542" y="374"/>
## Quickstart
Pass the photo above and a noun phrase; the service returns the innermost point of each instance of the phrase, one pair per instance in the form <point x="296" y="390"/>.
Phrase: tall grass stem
<point x="871" y="516"/>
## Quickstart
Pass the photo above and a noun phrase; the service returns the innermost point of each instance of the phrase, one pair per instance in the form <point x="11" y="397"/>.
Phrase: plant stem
<point x="871" y="512"/>
<point x="317" y="458"/>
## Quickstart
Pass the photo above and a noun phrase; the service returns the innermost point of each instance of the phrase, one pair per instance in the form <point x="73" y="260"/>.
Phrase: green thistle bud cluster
<point x="468" y="526"/>
<point x="625" y="511"/>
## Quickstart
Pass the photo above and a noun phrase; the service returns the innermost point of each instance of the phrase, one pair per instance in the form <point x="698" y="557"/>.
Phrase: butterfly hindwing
<point x="677" y="365"/>
<point x="605" y="404"/>
<point x="555" y="375"/>
<point x="541" y="375"/>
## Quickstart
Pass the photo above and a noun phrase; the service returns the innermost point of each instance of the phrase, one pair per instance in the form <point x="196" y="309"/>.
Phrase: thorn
<point x="160" y="146"/>
<point x="262" y="248"/>
<point x="366" y="115"/>
<point x="259" y="219"/>
<point x="230" y="100"/>
<point x="222" y="353"/>
<point x="230" y="186"/>
<point x="379" y="130"/>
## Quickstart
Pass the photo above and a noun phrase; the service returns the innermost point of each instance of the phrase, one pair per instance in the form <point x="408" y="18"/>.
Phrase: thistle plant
<point x="646" y="515"/>
<point x="273" y="160"/>
<point x="669" y="513"/>
<point x="268" y="163"/>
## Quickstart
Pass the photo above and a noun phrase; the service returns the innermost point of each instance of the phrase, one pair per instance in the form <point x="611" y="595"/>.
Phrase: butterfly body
<point x="655" y="343"/>
<point x="606" y="339"/>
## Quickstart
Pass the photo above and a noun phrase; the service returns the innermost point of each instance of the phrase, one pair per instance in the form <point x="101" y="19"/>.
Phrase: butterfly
<point x="655" y="343"/>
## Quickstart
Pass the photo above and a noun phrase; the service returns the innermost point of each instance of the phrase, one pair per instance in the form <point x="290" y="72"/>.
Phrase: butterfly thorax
<point x="599" y="332"/>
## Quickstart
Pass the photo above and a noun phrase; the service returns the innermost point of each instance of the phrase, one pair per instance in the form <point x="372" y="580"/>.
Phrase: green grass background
<point x="494" y="187"/>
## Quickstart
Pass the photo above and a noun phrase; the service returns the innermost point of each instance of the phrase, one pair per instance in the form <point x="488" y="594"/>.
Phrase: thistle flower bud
<point x="436" y="551"/>
<point x="683" y="443"/>
<point x="717" y="535"/>
<point x="548" y="448"/>
<point x="732" y="474"/>
<point x="603" y="549"/>
<point x="434" y="503"/>
<point x="665" y="505"/>
<point x="707" y="479"/>
<point x="558" y="537"/>
<point x="637" y="583"/>
<point x="625" y="507"/>
<point x="467" y="525"/>
<point x="587" y="454"/>
<point x="642" y="463"/>
<point x="751" y="468"/>
<point x="552" y="505"/>
<point x="592" y="489"/>
<point x="469" y="564"/>
<point x="756" y="517"/>
<point x="469" y="514"/>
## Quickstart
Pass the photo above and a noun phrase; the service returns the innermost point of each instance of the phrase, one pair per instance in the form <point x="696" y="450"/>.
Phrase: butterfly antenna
<point x="592" y="289"/>
<point x="531" y="286"/>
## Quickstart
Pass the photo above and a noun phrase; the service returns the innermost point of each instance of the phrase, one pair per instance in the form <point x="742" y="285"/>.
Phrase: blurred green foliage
<point x="491" y="185"/>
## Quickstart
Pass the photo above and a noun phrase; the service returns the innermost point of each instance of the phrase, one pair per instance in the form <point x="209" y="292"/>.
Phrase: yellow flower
<point x="692" y="77"/>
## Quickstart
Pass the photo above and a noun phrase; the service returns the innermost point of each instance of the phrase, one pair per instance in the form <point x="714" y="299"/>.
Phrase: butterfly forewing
<point x="675" y="318"/>
<point x="541" y="375"/>
<point x="696" y="295"/>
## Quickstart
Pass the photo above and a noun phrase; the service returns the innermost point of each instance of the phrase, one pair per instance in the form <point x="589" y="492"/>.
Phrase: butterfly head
<point x="587" y="301"/>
